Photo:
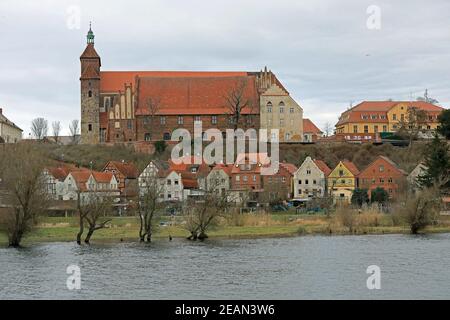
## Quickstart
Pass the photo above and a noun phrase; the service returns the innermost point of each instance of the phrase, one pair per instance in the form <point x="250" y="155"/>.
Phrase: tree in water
<point x="149" y="206"/>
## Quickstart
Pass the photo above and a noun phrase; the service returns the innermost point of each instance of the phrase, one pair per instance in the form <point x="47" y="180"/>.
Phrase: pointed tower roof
<point x="89" y="52"/>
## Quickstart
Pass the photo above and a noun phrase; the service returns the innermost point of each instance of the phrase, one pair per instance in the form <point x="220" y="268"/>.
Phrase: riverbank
<point x="247" y="227"/>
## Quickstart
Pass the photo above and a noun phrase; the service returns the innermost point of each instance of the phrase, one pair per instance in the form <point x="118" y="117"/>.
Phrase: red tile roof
<point x="194" y="95"/>
<point x="113" y="81"/>
<point x="129" y="170"/>
<point x="289" y="167"/>
<point x="89" y="52"/>
<point x="379" y="108"/>
<point x="102" y="177"/>
<point x="323" y="167"/>
<point x="310" y="127"/>
<point x="351" y="167"/>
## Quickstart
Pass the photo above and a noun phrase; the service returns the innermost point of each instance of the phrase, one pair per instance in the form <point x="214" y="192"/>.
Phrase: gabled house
<point x="383" y="173"/>
<point x="126" y="175"/>
<point x="87" y="183"/>
<point x="156" y="169"/>
<point x="54" y="178"/>
<point x="9" y="132"/>
<point x="281" y="181"/>
<point x="219" y="178"/>
<point x="413" y="177"/>
<point x="311" y="133"/>
<point x="342" y="181"/>
<point x="310" y="180"/>
<point x="246" y="173"/>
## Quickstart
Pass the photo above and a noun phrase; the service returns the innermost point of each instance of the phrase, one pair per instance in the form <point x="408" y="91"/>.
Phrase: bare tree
<point x="91" y="209"/>
<point x="411" y="124"/>
<point x="202" y="213"/>
<point x="421" y="209"/>
<point x="56" y="126"/>
<point x="74" y="128"/>
<point x="39" y="128"/>
<point x="24" y="186"/>
<point x="327" y="129"/>
<point x="236" y="101"/>
<point x="149" y="207"/>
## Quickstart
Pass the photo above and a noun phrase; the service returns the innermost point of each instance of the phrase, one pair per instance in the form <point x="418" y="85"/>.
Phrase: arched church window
<point x="269" y="107"/>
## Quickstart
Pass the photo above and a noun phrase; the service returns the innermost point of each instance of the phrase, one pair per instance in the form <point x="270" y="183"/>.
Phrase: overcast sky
<point x="322" y="50"/>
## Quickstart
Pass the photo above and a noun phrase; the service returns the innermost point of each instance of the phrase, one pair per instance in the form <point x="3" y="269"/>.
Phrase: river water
<point x="310" y="267"/>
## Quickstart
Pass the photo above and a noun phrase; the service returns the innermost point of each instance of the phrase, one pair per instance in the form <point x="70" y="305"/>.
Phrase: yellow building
<point x="369" y="118"/>
<point x="342" y="181"/>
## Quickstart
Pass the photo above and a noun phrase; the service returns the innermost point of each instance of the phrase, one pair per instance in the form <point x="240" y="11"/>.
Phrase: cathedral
<point x="131" y="106"/>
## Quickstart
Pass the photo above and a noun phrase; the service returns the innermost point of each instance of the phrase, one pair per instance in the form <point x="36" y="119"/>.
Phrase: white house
<point x="9" y="132"/>
<point x="54" y="179"/>
<point x="219" y="178"/>
<point x="310" y="179"/>
<point x="86" y="183"/>
<point x="412" y="178"/>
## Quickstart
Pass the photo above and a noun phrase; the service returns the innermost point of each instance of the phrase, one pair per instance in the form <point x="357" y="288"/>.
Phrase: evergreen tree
<point x="444" y="123"/>
<point x="379" y="195"/>
<point x="437" y="161"/>
<point x="359" y="197"/>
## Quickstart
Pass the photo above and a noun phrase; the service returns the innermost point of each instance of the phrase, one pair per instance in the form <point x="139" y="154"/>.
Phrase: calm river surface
<point x="312" y="267"/>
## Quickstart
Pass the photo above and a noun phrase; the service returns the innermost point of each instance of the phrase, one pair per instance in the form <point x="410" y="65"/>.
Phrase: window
<point x="169" y="182"/>
<point x="355" y="129"/>
<point x="238" y="178"/>
<point x="281" y="109"/>
<point x="245" y="178"/>
<point x="341" y="173"/>
<point x="374" y="116"/>
<point x="90" y="127"/>
<point x="269" y="107"/>
<point x="381" y="168"/>
<point x="147" y="137"/>
<point x="106" y="103"/>
<point x="366" y="129"/>
<point x="299" y="181"/>
<point x="385" y="128"/>
<point x="162" y="120"/>
<point x="166" y="136"/>
<point x="306" y="181"/>
<point x="180" y="120"/>
<point x="308" y="171"/>
<point x="281" y="122"/>
<point x="394" y="117"/>
<point x="390" y="180"/>
<point x="130" y="124"/>
<point x="291" y="110"/>
<point x="197" y="119"/>
<point x="375" y="129"/>
<point x="288" y="136"/>
<point x="254" y="178"/>
<point x="90" y="94"/>
<point x="214" y="119"/>
<point x="314" y="182"/>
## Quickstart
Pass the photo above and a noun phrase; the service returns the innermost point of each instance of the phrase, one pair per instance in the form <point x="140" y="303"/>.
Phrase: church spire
<point x="90" y="35"/>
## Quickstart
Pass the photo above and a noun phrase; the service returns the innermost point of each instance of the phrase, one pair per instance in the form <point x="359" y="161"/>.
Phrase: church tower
<point x="90" y="92"/>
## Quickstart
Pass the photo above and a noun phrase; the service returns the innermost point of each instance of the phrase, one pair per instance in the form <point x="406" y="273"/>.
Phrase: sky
<point x="328" y="54"/>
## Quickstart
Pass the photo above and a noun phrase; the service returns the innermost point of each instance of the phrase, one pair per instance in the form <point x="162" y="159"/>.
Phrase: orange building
<point x="383" y="173"/>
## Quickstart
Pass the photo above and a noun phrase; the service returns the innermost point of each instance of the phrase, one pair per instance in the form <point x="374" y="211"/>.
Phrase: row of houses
<point x="241" y="181"/>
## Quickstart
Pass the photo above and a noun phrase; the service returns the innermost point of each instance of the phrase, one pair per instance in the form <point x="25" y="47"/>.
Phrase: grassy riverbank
<point x="246" y="226"/>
